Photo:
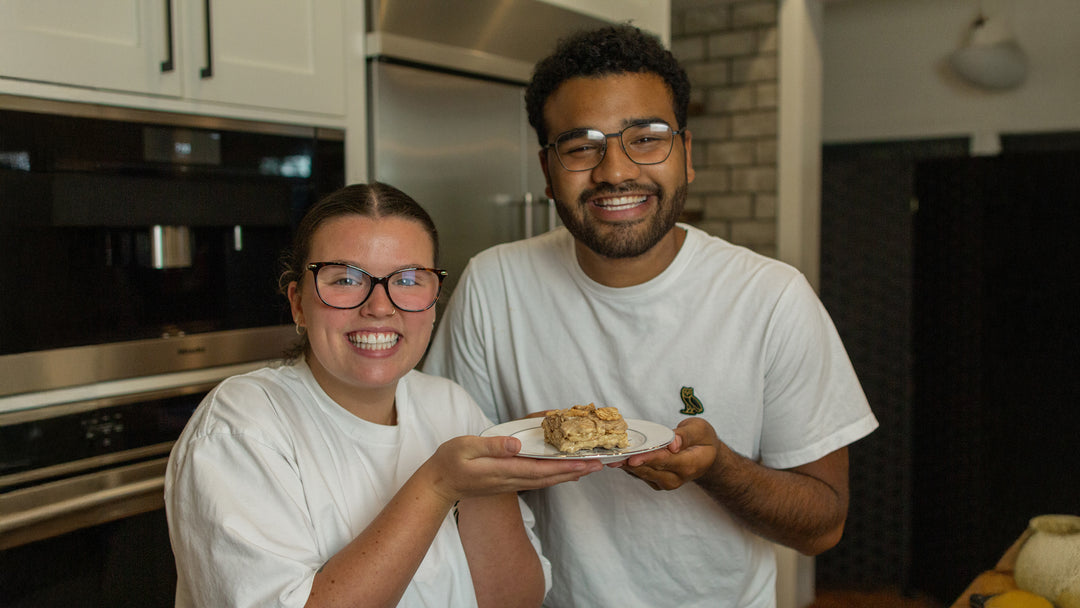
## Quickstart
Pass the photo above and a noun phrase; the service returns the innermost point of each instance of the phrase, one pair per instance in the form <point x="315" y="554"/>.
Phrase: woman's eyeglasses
<point x="343" y="286"/>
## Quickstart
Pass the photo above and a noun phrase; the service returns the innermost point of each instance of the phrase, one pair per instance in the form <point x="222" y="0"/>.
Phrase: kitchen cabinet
<point x="274" y="54"/>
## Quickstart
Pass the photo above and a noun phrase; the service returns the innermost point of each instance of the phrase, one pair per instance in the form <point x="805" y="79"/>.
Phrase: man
<point x="624" y="307"/>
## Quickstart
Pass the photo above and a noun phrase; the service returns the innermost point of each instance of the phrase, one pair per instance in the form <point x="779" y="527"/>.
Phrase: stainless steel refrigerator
<point x="447" y="120"/>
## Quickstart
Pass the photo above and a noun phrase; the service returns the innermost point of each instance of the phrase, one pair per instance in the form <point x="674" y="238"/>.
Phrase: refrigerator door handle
<point x="528" y="214"/>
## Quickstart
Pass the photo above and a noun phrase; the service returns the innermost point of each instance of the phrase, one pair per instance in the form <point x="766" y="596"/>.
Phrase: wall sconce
<point x="990" y="57"/>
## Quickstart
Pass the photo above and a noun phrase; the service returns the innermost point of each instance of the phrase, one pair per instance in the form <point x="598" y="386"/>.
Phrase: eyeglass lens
<point x="645" y="144"/>
<point x="342" y="286"/>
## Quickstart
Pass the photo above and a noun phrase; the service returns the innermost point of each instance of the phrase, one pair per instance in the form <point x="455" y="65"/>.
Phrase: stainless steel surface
<point x="51" y="509"/>
<point x="69" y="469"/>
<point x="206" y="341"/>
<point x="447" y="115"/>
<point x="89" y="110"/>
<point x="460" y="147"/>
<point x="80" y="365"/>
<point x="78" y="492"/>
<point x="501" y="38"/>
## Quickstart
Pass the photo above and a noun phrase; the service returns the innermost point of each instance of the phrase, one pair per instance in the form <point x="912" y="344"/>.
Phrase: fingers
<point x="518" y="474"/>
<point x="637" y="460"/>
<point x="479" y="466"/>
<point x="657" y="478"/>
<point x="693" y="431"/>
<point x="690" y="455"/>
<point x="540" y="474"/>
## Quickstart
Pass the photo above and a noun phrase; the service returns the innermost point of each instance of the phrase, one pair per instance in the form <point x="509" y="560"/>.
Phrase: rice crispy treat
<point x="584" y="427"/>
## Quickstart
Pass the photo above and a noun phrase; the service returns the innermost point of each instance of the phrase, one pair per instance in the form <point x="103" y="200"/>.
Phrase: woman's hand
<point x="482" y="466"/>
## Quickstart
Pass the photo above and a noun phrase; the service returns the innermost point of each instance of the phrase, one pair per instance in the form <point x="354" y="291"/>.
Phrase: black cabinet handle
<point x="167" y="65"/>
<point x="208" y="70"/>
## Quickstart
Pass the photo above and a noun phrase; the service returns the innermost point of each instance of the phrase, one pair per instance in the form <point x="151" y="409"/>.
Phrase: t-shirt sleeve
<point x="458" y="350"/>
<point x="814" y="403"/>
<point x="238" y="522"/>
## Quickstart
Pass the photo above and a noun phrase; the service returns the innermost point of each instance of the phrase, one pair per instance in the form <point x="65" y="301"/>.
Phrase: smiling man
<point x="626" y="307"/>
<point x="619" y="201"/>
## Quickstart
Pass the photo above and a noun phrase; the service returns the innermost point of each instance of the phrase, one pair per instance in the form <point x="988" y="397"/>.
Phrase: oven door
<point x="82" y="519"/>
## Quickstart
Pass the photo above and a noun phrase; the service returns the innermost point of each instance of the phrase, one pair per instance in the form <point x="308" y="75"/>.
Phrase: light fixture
<point x="990" y="57"/>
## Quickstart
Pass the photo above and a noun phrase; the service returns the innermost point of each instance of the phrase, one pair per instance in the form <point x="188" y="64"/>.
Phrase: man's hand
<point x="689" y="456"/>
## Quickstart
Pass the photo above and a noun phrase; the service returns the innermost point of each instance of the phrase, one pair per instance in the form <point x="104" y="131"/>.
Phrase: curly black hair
<point x="614" y="49"/>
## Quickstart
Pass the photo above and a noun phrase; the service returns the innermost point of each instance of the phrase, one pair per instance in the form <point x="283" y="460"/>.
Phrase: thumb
<point x="512" y="445"/>
<point x="500" y="447"/>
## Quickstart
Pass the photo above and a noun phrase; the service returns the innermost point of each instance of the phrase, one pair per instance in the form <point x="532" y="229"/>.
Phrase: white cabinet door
<point x="281" y="54"/>
<point x="271" y="54"/>
<point x="117" y="45"/>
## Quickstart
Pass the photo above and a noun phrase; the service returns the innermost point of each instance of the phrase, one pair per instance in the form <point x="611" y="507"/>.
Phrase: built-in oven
<point x="140" y="262"/>
<point x="81" y="504"/>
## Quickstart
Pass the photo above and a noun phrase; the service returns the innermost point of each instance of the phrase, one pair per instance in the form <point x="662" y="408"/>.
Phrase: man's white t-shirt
<point x="271" y="478"/>
<point x="736" y="335"/>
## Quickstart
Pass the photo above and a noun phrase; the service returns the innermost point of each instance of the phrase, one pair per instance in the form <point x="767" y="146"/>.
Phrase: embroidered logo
<point x="691" y="404"/>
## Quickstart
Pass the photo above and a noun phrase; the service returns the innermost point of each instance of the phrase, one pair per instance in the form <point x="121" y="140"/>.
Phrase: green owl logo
<point x="691" y="404"/>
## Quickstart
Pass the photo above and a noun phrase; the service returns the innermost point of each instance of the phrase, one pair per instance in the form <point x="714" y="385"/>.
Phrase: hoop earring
<point x="299" y="329"/>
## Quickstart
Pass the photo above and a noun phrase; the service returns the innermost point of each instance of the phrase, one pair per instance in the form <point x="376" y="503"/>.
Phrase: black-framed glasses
<point x="646" y="143"/>
<point x="345" y="286"/>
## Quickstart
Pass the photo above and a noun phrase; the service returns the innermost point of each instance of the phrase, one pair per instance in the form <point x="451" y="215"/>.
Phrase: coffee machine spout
<point x="170" y="247"/>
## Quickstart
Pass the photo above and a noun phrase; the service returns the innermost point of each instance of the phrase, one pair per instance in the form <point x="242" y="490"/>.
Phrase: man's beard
<point x="624" y="240"/>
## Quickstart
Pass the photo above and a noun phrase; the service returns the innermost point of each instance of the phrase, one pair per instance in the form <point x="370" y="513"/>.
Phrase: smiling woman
<point x="359" y="315"/>
<point x="362" y="465"/>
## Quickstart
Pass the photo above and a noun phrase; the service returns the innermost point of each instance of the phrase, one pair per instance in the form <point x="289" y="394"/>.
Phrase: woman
<point x="333" y="480"/>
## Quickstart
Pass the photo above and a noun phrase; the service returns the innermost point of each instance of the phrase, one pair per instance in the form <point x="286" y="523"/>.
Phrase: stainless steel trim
<point x="382" y="44"/>
<point x="528" y="214"/>
<point x="36" y="405"/>
<point x="52" y="409"/>
<point x="70" y="468"/>
<point x="85" y="501"/>
<point x="328" y="134"/>
<point x="81" y="365"/>
<point x="91" y="110"/>
<point x="56" y="508"/>
<point x="500" y="38"/>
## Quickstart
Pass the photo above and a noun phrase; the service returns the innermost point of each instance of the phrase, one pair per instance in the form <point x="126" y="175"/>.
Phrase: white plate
<point x="644" y="436"/>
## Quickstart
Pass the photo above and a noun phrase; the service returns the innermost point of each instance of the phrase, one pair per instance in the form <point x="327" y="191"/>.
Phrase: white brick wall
<point x="729" y="50"/>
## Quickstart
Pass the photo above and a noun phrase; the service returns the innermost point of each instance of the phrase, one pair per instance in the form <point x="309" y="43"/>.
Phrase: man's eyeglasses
<point x="343" y="286"/>
<point x="646" y="143"/>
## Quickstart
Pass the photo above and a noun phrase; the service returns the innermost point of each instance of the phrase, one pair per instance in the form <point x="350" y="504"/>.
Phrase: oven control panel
<point x="47" y="441"/>
<point x="104" y="430"/>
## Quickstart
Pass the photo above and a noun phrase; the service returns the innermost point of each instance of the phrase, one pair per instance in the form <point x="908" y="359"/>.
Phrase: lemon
<point x="1018" y="598"/>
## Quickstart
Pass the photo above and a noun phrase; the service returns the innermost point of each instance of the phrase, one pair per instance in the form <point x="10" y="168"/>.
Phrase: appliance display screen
<point x="185" y="146"/>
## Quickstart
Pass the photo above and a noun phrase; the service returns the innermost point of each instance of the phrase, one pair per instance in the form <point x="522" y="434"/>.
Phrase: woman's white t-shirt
<point x="271" y="478"/>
